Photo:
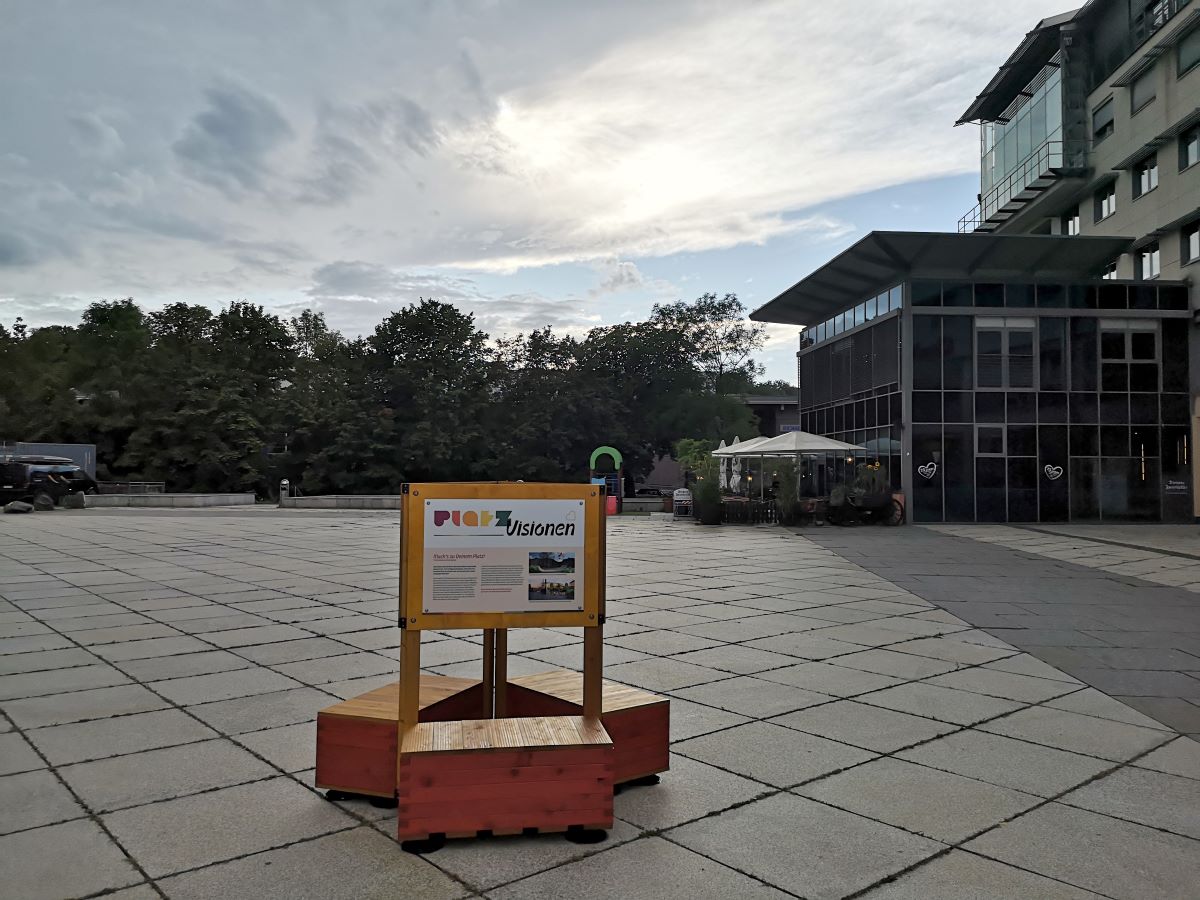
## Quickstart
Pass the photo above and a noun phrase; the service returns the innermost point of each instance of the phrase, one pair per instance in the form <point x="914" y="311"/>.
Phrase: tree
<point x="719" y="338"/>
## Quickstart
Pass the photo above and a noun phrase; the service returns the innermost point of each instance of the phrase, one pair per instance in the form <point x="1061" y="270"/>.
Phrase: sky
<point x="534" y="163"/>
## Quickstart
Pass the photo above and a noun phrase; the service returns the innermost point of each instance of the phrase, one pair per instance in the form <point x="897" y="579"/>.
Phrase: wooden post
<point x="593" y="670"/>
<point x="489" y="672"/>
<point x="501" y="673"/>
<point x="410" y="678"/>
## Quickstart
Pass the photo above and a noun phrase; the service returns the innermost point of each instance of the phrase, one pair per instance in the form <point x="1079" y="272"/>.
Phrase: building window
<point x="989" y="440"/>
<point x="1142" y="91"/>
<point x="1190" y="239"/>
<point x="1148" y="262"/>
<point x="1189" y="51"/>
<point x="1110" y="271"/>
<point x="1105" y="201"/>
<point x="1145" y="176"/>
<point x="1004" y="356"/>
<point x="1070" y="222"/>
<point x="1189" y="148"/>
<point x="1102" y="121"/>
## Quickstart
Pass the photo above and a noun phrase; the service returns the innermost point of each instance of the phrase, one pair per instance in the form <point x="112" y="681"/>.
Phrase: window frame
<point x="1071" y="223"/>
<point x="1110" y="271"/>
<point x="1145" y="170"/>
<point x="1189" y="138"/>
<point x="1187" y="234"/>
<point x="1153" y="249"/>
<point x="1099" y="204"/>
<point x="1147" y="77"/>
<point x="1006" y="326"/>
<point x="1106" y="107"/>
<point x="1180" y="69"/>
<point x="1003" y="429"/>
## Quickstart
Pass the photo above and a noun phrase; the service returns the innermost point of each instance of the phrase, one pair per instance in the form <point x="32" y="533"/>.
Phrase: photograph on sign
<point x="503" y="556"/>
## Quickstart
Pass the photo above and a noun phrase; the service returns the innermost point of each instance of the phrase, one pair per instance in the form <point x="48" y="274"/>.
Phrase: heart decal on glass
<point x="1053" y="472"/>
<point x="928" y="470"/>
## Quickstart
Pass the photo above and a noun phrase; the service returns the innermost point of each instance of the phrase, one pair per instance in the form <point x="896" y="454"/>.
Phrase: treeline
<point x="238" y="399"/>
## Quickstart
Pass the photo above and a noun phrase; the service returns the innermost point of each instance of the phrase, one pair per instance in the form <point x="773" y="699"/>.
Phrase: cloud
<point x="360" y="294"/>
<point x="15" y="250"/>
<point x="227" y="144"/>
<point x="460" y="141"/>
<point x="94" y="136"/>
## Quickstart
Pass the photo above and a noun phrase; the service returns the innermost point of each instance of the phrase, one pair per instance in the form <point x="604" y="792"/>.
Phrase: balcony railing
<point x="1153" y="18"/>
<point x="1047" y="161"/>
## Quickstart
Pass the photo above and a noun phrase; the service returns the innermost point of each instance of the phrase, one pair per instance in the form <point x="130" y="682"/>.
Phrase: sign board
<point x="501" y="555"/>
<point x="1175" y="487"/>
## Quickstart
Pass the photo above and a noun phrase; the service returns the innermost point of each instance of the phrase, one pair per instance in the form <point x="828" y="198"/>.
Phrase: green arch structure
<point x="601" y="451"/>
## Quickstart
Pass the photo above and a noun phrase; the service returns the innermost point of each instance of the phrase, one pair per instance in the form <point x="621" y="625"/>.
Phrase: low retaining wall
<point x="643" y="504"/>
<point x="342" y="501"/>
<point x="173" y="501"/>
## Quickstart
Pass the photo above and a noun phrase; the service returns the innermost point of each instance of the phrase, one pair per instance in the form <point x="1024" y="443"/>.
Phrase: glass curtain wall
<point x="1019" y="416"/>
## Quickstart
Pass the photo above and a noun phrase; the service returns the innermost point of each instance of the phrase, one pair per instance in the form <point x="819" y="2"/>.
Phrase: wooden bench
<point x="638" y="722"/>
<point x="356" y="739"/>
<point x="503" y="776"/>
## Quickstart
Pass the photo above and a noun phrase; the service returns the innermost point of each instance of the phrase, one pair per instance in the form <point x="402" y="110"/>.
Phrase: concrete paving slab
<point x="1180" y="757"/>
<point x="649" y="869"/>
<point x="869" y="727"/>
<point x="1078" y="733"/>
<point x="33" y="861"/>
<point x="16" y="755"/>
<point x="164" y="839"/>
<point x="751" y="696"/>
<point x="689" y="790"/>
<point x="137" y="778"/>
<point x="772" y="754"/>
<point x="263" y="710"/>
<point x="1010" y="763"/>
<point x="805" y="847"/>
<point x="1096" y="853"/>
<point x="360" y="864"/>
<point x="941" y="703"/>
<point x="925" y="801"/>
<point x="1159" y="800"/>
<point x="78" y="706"/>
<point x="484" y="864"/>
<point x="965" y="876"/>
<point x="36" y="798"/>
<point x="100" y="738"/>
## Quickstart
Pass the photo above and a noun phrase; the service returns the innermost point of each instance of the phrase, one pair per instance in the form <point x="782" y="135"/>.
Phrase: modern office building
<point x="1043" y="363"/>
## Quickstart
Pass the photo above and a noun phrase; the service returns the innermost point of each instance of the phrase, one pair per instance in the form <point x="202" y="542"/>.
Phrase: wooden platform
<point x="356" y="739"/>
<point x="638" y="722"/>
<point x="503" y="776"/>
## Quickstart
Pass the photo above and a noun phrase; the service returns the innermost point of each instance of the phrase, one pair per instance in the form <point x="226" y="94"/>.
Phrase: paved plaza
<point x="882" y="713"/>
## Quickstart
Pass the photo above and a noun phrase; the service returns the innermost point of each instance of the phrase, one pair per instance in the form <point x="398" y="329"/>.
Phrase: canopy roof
<point x="789" y="444"/>
<point x="882" y="259"/>
<point x="738" y="446"/>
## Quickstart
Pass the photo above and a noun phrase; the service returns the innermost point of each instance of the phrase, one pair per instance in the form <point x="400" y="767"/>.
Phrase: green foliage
<point x="694" y="455"/>
<point x="238" y="399"/>
<point x="787" y="495"/>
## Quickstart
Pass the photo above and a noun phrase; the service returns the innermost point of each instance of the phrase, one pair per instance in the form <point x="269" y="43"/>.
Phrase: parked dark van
<point x="25" y="477"/>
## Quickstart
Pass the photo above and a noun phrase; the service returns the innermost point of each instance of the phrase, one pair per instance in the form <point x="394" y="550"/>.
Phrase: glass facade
<point x="879" y="305"/>
<point x="1026" y="401"/>
<point x="1008" y="147"/>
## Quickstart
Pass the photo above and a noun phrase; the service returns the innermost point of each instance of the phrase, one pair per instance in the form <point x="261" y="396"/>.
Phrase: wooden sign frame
<point x="412" y="555"/>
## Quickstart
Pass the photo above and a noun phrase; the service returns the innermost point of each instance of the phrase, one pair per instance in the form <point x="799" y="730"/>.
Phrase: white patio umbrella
<point x="735" y="482"/>
<point x="738" y="446"/>
<point x="791" y="443"/>
<point x="722" y="478"/>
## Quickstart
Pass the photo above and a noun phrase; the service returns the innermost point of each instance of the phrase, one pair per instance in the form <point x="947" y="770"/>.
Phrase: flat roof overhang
<point x="1038" y="46"/>
<point x="884" y="258"/>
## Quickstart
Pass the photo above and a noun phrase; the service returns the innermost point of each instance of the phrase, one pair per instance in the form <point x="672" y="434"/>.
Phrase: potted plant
<point x="787" y="496"/>
<point x="706" y="497"/>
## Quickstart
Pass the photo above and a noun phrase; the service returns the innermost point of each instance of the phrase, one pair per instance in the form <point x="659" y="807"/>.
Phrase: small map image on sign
<point x="551" y="589"/>
<point x="556" y="563"/>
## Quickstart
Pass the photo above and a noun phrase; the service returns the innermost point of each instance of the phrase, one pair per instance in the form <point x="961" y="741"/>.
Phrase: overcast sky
<point x="534" y="163"/>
